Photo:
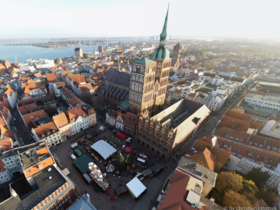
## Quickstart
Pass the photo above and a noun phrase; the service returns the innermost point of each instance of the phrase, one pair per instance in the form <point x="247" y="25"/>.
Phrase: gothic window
<point x="159" y="65"/>
<point x="139" y="99"/>
<point x="132" y="86"/>
<point x="141" y="79"/>
<point x="140" y="88"/>
<point x="142" y="69"/>
<point x="133" y="76"/>
<point x="136" y="87"/>
<point x="134" y="68"/>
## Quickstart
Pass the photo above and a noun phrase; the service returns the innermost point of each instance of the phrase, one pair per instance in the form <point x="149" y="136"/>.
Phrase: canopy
<point x="136" y="187"/>
<point x="128" y="149"/>
<point x="123" y="136"/>
<point x="103" y="148"/>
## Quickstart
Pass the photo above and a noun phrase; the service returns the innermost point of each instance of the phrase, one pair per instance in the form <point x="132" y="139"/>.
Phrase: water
<point x="26" y="52"/>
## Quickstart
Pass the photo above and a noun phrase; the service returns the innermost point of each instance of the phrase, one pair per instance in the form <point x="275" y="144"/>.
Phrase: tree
<point x="229" y="181"/>
<point x="87" y="98"/>
<point x="234" y="199"/>
<point x="250" y="186"/>
<point x="50" y="110"/>
<point x="120" y="163"/>
<point x="258" y="176"/>
<point x="268" y="196"/>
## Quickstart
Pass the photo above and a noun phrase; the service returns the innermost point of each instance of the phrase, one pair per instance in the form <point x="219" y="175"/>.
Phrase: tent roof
<point x="120" y="134"/>
<point x="82" y="163"/>
<point x="103" y="148"/>
<point x="136" y="187"/>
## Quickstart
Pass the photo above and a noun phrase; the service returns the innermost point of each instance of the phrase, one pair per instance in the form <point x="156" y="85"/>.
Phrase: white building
<point x="26" y="67"/>
<point x="78" y="118"/>
<point x="44" y="64"/>
<point x="271" y="128"/>
<point x="270" y="102"/>
<point x="48" y="133"/>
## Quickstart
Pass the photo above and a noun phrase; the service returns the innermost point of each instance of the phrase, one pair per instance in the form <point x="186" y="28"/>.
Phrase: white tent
<point x="103" y="148"/>
<point x="136" y="187"/>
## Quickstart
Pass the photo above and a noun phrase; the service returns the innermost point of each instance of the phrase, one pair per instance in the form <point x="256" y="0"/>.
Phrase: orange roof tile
<point x="52" y="78"/>
<point x="205" y="158"/>
<point x="34" y="115"/>
<point x="46" y="129"/>
<point x="74" y="113"/>
<point x="237" y="115"/>
<point x="26" y="107"/>
<point x="60" y="120"/>
<point x="77" y="78"/>
<point x="6" y="144"/>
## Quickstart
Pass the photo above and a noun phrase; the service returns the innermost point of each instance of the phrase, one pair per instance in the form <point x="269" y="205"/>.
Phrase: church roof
<point x="144" y="61"/>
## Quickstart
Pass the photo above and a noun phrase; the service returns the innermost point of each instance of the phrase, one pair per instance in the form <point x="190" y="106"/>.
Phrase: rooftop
<point x="271" y="99"/>
<point x="45" y="130"/>
<point x="198" y="170"/>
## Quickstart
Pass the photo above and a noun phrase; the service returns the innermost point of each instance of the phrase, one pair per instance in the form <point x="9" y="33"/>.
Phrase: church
<point x="146" y="86"/>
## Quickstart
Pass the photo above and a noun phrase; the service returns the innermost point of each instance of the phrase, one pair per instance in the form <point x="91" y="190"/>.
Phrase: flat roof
<point x="42" y="187"/>
<point x="103" y="148"/>
<point x="136" y="187"/>
<point x="82" y="163"/>
<point x="199" y="171"/>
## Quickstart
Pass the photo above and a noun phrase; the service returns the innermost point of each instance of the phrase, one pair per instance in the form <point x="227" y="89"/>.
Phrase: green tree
<point x="228" y="181"/>
<point x="270" y="197"/>
<point x="234" y="199"/>
<point x="250" y="186"/>
<point x="120" y="163"/>
<point x="50" y="110"/>
<point x="258" y="176"/>
<point x="87" y="98"/>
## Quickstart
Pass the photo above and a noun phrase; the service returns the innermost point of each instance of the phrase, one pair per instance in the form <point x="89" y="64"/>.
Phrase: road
<point x="22" y="129"/>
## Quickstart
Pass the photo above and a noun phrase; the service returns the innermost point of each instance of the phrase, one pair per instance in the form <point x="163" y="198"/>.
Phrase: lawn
<point x="211" y="86"/>
<point x="203" y="90"/>
<point x="195" y="86"/>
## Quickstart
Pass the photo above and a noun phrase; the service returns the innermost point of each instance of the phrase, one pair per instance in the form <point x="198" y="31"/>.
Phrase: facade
<point x="119" y="121"/>
<point x="149" y="78"/>
<point x="90" y="113"/>
<point x="48" y="133"/>
<point x="78" y="119"/>
<point x="32" y="90"/>
<point x="130" y="123"/>
<point x="111" y="118"/>
<point x="270" y="102"/>
<point x="165" y="133"/>
<point x="100" y="49"/>
<point x="11" y="95"/>
<point x="62" y="123"/>
<point x="78" y="52"/>
<point x="71" y="79"/>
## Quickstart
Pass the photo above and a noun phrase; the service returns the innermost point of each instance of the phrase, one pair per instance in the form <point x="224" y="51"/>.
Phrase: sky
<point x="136" y="18"/>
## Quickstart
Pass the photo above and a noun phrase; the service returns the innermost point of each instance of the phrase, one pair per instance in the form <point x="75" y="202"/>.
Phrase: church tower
<point x="149" y="78"/>
<point x="163" y="64"/>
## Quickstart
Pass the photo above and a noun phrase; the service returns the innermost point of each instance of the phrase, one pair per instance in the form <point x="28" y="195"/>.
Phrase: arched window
<point x="136" y="87"/>
<point x="140" y="88"/>
<point x="139" y="99"/>
<point x="133" y="76"/>
<point x="142" y="69"/>
<point x="141" y="79"/>
<point x="132" y="86"/>
<point x="134" y="68"/>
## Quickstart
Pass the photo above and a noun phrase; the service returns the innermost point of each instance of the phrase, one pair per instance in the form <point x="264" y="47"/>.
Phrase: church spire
<point x="163" y="34"/>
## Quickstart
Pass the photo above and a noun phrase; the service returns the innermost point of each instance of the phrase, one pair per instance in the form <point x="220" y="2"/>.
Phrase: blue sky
<point x="92" y="18"/>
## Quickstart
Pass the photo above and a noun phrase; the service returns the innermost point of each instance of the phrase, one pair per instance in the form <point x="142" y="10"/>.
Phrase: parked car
<point x="73" y="157"/>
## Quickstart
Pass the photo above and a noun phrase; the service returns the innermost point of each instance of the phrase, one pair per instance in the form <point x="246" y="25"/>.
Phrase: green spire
<point x="163" y="34"/>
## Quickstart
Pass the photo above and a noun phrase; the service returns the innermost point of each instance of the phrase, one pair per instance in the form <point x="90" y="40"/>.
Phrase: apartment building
<point x="63" y="124"/>
<point x="90" y="113"/>
<point x="48" y="133"/>
<point x="270" y="102"/>
<point x="78" y="118"/>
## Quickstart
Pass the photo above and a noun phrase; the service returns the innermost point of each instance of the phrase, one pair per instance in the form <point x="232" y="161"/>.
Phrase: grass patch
<point x="203" y="90"/>
<point x="195" y="87"/>
<point x="211" y="86"/>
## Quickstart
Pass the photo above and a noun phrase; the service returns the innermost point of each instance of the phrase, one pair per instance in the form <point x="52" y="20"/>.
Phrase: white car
<point x="73" y="157"/>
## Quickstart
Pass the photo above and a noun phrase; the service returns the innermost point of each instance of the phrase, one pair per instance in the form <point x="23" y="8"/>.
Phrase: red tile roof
<point x="74" y="113"/>
<point x="52" y="78"/>
<point x="47" y="130"/>
<point x="61" y="120"/>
